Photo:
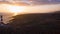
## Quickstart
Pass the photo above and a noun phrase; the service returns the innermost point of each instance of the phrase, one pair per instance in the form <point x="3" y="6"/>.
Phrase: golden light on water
<point x="9" y="10"/>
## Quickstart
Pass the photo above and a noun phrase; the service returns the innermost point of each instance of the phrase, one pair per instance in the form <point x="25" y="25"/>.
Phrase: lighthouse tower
<point x="1" y="19"/>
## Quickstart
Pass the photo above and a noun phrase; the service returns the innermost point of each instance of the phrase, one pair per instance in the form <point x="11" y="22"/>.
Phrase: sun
<point x="14" y="8"/>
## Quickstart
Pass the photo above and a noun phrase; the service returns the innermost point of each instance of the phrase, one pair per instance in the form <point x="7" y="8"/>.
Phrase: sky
<point x="33" y="2"/>
<point x="31" y="6"/>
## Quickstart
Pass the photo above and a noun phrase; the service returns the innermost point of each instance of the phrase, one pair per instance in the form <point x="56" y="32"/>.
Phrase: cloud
<point x="33" y="2"/>
<point x="43" y="8"/>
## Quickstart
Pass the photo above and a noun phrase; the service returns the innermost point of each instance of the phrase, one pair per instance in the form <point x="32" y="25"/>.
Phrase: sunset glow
<point x="9" y="10"/>
<point x="16" y="9"/>
<point x="13" y="8"/>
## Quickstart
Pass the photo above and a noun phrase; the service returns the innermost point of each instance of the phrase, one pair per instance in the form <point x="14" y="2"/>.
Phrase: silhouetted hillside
<point x="37" y="23"/>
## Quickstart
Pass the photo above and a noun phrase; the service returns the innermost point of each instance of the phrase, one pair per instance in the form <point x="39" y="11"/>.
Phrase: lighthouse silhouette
<point x="1" y="19"/>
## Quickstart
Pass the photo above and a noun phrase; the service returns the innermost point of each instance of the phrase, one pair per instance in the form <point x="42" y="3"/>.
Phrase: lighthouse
<point x="1" y="19"/>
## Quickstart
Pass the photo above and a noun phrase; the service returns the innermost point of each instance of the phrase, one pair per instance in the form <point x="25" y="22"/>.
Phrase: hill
<point x="36" y="23"/>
